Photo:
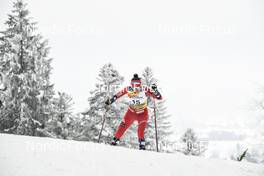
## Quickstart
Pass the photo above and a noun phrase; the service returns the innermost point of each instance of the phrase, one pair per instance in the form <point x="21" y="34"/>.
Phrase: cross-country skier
<point x="137" y="110"/>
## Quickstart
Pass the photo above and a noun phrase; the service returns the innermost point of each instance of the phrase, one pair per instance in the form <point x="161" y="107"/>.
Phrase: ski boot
<point x="115" y="141"/>
<point x="142" y="144"/>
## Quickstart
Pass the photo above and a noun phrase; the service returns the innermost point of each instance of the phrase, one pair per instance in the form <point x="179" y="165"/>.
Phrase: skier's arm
<point x="116" y="96"/>
<point x="154" y="92"/>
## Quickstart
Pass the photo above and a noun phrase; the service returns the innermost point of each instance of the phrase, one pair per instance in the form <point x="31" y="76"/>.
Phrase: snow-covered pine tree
<point x="192" y="144"/>
<point x="109" y="81"/>
<point x="189" y="138"/>
<point x="2" y="89"/>
<point x="78" y="127"/>
<point x="60" y="123"/>
<point x="25" y="65"/>
<point x="163" y="123"/>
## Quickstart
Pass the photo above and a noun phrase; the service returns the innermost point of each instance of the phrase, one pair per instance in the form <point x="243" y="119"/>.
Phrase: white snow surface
<point x="35" y="156"/>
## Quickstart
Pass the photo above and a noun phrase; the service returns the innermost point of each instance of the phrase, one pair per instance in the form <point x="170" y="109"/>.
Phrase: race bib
<point x="138" y="100"/>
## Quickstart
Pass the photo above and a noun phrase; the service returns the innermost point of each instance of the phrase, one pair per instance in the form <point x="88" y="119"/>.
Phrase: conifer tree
<point x="163" y="124"/>
<point x="25" y="65"/>
<point x="193" y="145"/>
<point x="60" y="123"/>
<point x="109" y="81"/>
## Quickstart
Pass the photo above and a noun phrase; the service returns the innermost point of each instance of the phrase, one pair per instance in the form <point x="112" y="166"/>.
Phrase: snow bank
<point x="34" y="156"/>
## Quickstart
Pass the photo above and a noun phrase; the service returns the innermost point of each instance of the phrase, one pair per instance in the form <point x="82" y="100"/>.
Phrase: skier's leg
<point x="142" y="144"/>
<point x="115" y="141"/>
<point x="125" y="124"/>
<point x="142" y="123"/>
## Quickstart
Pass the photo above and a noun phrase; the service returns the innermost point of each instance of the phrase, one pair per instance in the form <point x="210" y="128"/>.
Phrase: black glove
<point x="154" y="87"/>
<point x="155" y="91"/>
<point x="110" y="100"/>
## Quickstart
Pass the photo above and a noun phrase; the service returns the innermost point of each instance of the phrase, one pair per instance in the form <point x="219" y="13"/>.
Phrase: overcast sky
<point x="207" y="54"/>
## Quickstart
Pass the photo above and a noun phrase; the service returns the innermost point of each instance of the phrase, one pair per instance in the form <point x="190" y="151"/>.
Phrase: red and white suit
<point x="137" y="110"/>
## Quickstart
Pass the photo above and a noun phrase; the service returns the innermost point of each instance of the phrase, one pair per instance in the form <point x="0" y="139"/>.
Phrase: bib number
<point x="136" y="102"/>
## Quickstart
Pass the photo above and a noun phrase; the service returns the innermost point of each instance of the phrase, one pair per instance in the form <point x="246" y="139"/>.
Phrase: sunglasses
<point x="136" y="83"/>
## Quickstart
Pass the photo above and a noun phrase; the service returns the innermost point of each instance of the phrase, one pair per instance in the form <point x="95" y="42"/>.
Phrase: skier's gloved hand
<point x="110" y="100"/>
<point x="155" y="91"/>
<point x="154" y="87"/>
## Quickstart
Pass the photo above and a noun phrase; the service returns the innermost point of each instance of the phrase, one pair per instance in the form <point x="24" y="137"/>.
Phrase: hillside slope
<point x="34" y="156"/>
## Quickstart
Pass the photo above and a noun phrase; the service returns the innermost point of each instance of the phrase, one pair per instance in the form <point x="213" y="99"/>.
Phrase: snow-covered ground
<point x="227" y="149"/>
<point x="34" y="156"/>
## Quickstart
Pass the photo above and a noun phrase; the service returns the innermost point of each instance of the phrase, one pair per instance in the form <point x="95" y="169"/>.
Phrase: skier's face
<point x="135" y="83"/>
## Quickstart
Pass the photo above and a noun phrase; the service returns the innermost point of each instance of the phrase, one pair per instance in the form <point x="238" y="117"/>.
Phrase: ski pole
<point x="104" y="118"/>
<point x="156" y="130"/>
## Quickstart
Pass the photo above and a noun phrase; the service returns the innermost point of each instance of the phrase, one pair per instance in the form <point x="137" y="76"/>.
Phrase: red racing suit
<point x="137" y="110"/>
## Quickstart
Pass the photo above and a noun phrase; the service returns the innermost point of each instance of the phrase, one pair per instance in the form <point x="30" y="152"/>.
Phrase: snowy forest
<point x="31" y="106"/>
